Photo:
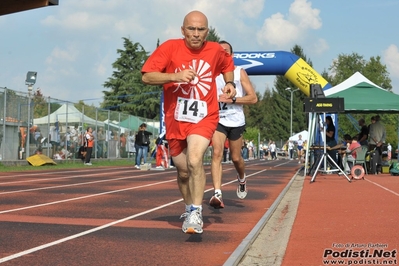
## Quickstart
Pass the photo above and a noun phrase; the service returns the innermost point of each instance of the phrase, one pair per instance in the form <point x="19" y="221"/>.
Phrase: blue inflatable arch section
<point x="287" y="64"/>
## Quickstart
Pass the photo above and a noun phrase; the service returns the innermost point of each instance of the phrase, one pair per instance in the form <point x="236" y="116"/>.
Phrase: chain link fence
<point x="32" y="124"/>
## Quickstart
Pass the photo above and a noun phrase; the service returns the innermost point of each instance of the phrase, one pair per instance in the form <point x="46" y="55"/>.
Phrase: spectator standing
<point x="364" y="132"/>
<point x="142" y="144"/>
<point x="265" y="151"/>
<point x="100" y="142"/>
<point x="261" y="150"/>
<point x="54" y="137"/>
<point x="122" y="140"/>
<point x="330" y="138"/>
<point x="245" y="149"/>
<point x="130" y="143"/>
<point x="250" y="149"/>
<point x="74" y="138"/>
<point x="291" y="149"/>
<point x="273" y="150"/>
<point x="377" y="135"/>
<point x="89" y="144"/>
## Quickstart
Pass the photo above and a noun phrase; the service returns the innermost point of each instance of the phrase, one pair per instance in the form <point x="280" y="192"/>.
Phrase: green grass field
<point x="68" y="164"/>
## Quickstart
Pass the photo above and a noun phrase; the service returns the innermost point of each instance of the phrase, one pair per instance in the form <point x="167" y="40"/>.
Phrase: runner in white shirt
<point x="231" y="126"/>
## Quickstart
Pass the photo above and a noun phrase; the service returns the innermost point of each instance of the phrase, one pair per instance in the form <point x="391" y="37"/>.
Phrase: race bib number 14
<point x="190" y="110"/>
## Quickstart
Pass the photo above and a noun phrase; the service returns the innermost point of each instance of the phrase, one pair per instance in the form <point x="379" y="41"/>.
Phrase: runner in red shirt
<point x="187" y="69"/>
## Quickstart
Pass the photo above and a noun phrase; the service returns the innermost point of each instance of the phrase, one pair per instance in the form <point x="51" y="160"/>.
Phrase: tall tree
<point x="213" y="36"/>
<point x="40" y="107"/>
<point x="126" y="92"/>
<point x="346" y="65"/>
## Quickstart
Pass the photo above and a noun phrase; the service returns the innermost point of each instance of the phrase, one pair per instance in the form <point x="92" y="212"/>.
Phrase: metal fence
<point x="33" y="124"/>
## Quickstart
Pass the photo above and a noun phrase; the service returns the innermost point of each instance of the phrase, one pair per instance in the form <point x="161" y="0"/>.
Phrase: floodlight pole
<point x="292" y="92"/>
<point x="27" y="151"/>
<point x="30" y="81"/>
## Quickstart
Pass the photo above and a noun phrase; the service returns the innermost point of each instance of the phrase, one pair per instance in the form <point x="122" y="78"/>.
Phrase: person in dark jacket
<point x="142" y="143"/>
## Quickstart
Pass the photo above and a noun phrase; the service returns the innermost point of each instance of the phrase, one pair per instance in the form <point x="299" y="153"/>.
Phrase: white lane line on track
<point x="381" y="186"/>
<point x="28" y="251"/>
<point x="78" y="184"/>
<point x="59" y="241"/>
<point x="84" y="197"/>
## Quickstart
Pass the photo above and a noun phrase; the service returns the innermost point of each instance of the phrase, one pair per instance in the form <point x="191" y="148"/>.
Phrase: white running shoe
<point x="137" y="167"/>
<point x="217" y="201"/>
<point x="192" y="223"/>
<point x="242" y="188"/>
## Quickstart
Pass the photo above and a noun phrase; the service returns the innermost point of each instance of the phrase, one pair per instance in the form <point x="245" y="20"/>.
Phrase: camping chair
<point x="361" y="154"/>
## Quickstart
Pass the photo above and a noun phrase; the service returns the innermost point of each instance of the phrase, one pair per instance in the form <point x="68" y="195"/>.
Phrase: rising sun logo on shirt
<point x="200" y="86"/>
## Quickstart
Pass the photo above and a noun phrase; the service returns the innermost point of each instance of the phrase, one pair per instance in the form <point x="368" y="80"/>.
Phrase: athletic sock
<point x="194" y="207"/>
<point x="218" y="191"/>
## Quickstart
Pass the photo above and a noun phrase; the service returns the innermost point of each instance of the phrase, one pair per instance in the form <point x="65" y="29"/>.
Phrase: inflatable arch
<point x="287" y="64"/>
<point x="282" y="63"/>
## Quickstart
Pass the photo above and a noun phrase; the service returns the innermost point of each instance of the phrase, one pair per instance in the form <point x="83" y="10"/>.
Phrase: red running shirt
<point x="183" y="100"/>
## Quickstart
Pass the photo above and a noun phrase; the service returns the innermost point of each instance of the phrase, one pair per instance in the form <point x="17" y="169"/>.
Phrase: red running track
<point x="342" y="223"/>
<point x="124" y="216"/>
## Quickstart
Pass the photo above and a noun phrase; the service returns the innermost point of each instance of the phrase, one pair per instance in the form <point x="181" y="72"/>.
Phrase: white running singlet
<point x="231" y="114"/>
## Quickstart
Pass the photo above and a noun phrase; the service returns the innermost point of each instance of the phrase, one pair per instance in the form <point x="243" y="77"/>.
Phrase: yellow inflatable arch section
<point x="287" y="64"/>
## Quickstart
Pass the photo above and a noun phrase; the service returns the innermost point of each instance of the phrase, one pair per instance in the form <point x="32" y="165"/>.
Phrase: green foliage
<point x="344" y="67"/>
<point x="126" y="92"/>
<point x="40" y="107"/>
<point x="251" y="133"/>
<point x="213" y="36"/>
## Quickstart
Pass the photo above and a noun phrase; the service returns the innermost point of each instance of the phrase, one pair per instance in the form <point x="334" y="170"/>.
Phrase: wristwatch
<point x="232" y="83"/>
<point x="234" y="99"/>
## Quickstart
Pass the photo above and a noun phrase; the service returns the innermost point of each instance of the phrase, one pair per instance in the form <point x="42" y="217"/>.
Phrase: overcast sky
<point x="72" y="46"/>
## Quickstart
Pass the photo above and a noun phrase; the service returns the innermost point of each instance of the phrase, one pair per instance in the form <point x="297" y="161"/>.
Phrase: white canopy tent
<point x="67" y="113"/>
<point x="304" y="135"/>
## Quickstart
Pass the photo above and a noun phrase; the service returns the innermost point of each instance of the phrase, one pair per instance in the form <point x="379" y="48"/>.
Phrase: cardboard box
<point x="146" y="166"/>
<point x="385" y="169"/>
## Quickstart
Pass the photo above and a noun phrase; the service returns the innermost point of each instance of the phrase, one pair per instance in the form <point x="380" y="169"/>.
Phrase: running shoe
<point x="216" y="201"/>
<point x="192" y="223"/>
<point x="185" y="215"/>
<point x="242" y="188"/>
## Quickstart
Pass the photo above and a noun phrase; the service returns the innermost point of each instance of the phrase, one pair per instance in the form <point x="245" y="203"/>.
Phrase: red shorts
<point x="176" y="146"/>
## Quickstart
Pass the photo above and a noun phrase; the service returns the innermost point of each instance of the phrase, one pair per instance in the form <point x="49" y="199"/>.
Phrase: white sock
<point x="218" y="191"/>
<point x="242" y="180"/>
<point x="188" y="208"/>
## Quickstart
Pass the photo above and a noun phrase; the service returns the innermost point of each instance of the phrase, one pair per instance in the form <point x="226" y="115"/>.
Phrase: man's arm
<point x="228" y="76"/>
<point x="159" y="78"/>
<point x="229" y="89"/>
<point x="250" y="95"/>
